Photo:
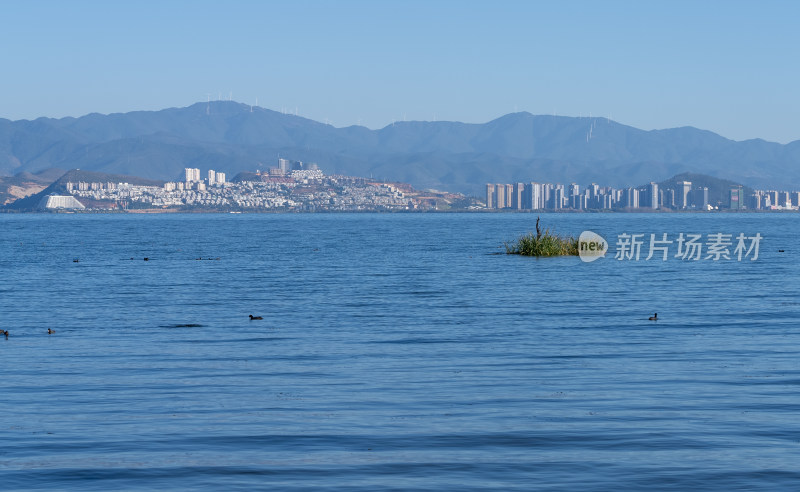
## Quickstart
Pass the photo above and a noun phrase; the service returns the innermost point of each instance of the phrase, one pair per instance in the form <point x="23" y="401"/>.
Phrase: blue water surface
<point x="396" y="352"/>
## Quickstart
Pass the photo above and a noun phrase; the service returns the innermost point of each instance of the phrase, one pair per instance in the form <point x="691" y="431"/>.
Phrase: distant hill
<point x="25" y="184"/>
<point x="245" y="176"/>
<point x="718" y="189"/>
<point x="59" y="187"/>
<point x="229" y="137"/>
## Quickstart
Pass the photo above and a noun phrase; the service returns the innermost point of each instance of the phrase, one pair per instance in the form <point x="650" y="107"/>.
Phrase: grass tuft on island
<point x="543" y="244"/>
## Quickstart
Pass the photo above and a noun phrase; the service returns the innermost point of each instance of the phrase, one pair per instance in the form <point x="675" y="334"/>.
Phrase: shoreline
<point x="426" y="211"/>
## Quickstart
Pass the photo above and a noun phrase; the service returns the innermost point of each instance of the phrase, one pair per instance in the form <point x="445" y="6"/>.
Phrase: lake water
<point x="396" y="352"/>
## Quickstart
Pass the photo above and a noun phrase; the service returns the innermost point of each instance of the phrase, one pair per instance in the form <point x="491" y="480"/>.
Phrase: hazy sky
<point x="726" y="66"/>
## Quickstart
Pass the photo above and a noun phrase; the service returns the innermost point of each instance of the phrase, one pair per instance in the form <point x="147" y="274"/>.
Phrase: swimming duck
<point x="5" y="333"/>
<point x="50" y="331"/>
<point x="255" y="317"/>
<point x="654" y="317"/>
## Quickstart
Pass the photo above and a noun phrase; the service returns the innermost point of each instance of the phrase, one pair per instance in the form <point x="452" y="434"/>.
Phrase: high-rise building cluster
<point x="192" y="175"/>
<point x="193" y="178"/>
<point x="767" y="200"/>
<point x="548" y="196"/>
<point x="286" y="167"/>
<point x="737" y="199"/>
<point x="680" y="196"/>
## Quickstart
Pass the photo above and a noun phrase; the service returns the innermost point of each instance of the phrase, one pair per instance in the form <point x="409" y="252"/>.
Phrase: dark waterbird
<point x="255" y="317"/>
<point x="50" y="331"/>
<point x="5" y="333"/>
<point x="654" y="317"/>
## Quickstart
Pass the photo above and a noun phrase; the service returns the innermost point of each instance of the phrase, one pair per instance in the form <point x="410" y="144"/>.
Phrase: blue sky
<point x="725" y="66"/>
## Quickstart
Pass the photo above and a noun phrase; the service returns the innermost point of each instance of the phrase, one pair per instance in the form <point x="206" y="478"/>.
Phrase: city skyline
<point x="684" y="196"/>
<point x="300" y="188"/>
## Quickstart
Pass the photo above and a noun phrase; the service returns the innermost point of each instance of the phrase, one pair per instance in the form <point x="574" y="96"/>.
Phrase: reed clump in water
<point x="543" y="244"/>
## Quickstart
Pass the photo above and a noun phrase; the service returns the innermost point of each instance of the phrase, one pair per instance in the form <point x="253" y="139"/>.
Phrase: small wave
<point x="405" y="341"/>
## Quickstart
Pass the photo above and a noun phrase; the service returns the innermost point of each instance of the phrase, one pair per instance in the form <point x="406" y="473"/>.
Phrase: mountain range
<point x="519" y="147"/>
